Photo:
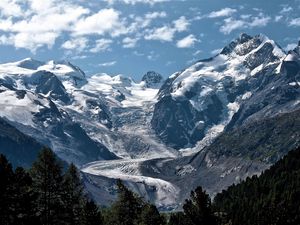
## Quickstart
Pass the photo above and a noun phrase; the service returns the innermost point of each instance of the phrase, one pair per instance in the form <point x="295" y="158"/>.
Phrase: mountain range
<point x="212" y="124"/>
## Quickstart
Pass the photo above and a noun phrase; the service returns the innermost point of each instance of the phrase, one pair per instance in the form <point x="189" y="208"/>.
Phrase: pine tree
<point x="127" y="208"/>
<point x="6" y="197"/>
<point x="198" y="209"/>
<point x="91" y="214"/>
<point x="150" y="216"/>
<point x="178" y="219"/>
<point x="72" y="196"/>
<point x="47" y="179"/>
<point x="23" y="199"/>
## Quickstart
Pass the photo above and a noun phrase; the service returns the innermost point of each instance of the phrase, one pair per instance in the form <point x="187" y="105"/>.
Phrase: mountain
<point x="203" y="98"/>
<point x="230" y="116"/>
<point x="20" y="149"/>
<point x="31" y="99"/>
<point x="212" y="124"/>
<point x="269" y="199"/>
<point x="153" y="79"/>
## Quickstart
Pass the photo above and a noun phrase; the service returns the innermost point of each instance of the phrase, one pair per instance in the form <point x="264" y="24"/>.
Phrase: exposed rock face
<point x="152" y="79"/>
<point x="212" y="124"/>
<point x="208" y="94"/>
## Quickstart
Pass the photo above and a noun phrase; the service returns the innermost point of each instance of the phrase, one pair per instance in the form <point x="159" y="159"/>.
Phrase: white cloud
<point x="153" y="56"/>
<point x="231" y="24"/>
<point x="10" y="8"/>
<point x="216" y="51"/>
<point x="105" y="21"/>
<point x="129" y="42"/>
<point x="197" y="52"/>
<point x="40" y="24"/>
<point x="133" y="2"/>
<point x="143" y="22"/>
<point x="167" y="32"/>
<point x="107" y="64"/>
<point x="290" y="47"/>
<point x="101" y="45"/>
<point x="181" y="24"/>
<point x="286" y="9"/>
<point x="187" y="42"/>
<point x="78" y="44"/>
<point x="34" y="41"/>
<point x="164" y="33"/>
<point x="260" y="21"/>
<point x="295" y="22"/>
<point x="278" y="18"/>
<point x="222" y="13"/>
<point x="155" y="15"/>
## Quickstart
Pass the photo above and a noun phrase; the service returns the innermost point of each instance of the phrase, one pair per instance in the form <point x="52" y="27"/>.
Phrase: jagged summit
<point x="152" y="79"/>
<point x="245" y="44"/>
<point x="30" y="63"/>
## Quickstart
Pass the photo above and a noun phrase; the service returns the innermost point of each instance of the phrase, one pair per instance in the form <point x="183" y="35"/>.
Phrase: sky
<point x="132" y="37"/>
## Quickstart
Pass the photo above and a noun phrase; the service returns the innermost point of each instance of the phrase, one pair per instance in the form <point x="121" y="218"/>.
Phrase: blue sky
<point x="131" y="37"/>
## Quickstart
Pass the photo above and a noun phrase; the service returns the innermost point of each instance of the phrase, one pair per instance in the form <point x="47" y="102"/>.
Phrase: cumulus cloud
<point x="107" y="64"/>
<point x="231" y="24"/>
<point x="105" y="21"/>
<point x="278" y="18"/>
<point x="133" y="2"/>
<point x="38" y="24"/>
<point x="222" y="13"/>
<point x="295" y="22"/>
<point x="10" y="8"/>
<point x="129" y="42"/>
<point x="140" y="22"/>
<point x="101" y="45"/>
<point x="167" y="32"/>
<point x="78" y="44"/>
<point x="216" y="51"/>
<point x="181" y="24"/>
<point x="286" y="9"/>
<point x="290" y="47"/>
<point x="187" y="42"/>
<point x="261" y="21"/>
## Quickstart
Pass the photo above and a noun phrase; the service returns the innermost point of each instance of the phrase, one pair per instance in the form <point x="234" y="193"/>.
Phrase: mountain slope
<point x="19" y="148"/>
<point x="238" y="111"/>
<point x="212" y="124"/>
<point x="206" y="95"/>
<point x="268" y="199"/>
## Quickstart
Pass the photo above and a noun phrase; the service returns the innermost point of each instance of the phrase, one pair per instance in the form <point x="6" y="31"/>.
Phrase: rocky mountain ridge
<point x="158" y="136"/>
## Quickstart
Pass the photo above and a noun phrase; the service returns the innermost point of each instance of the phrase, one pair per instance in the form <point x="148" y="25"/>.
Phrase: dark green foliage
<point x="91" y="214"/>
<point x="47" y="178"/>
<point x="6" y="182"/>
<point x="46" y="196"/>
<point x="126" y="209"/>
<point x="16" y="195"/>
<point x="129" y="209"/>
<point x="24" y="198"/>
<point x="178" y="218"/>
<point x="150" y="216"/>
<point x="72" y="196"/>
<point x="196" y="211"/>
<point x="272" y="198"/>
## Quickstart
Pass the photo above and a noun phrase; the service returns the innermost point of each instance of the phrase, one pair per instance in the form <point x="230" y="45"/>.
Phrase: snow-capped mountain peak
<point x="30" y="64"/>
<point x="152" y="79"/>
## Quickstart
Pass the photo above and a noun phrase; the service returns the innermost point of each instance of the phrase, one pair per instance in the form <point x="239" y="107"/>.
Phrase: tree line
<point x="48" y="194"/>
